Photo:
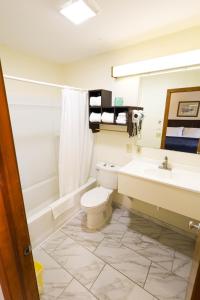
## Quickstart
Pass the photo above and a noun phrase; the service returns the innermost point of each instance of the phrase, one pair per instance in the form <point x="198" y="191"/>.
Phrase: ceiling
<point x="36" y="27"/>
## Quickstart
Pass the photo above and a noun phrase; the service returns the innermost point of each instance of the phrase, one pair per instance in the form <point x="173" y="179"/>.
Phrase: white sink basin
<point x="177" y="190"/>
<point x="179" y="176"/>
<point x="158" y="173"/>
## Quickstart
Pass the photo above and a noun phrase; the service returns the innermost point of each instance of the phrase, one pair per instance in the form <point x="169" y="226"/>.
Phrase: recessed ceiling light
<point x="78" y="11"/>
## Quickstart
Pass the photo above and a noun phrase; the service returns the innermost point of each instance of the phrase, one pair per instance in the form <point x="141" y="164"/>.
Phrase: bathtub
<point x="41" y="222"/>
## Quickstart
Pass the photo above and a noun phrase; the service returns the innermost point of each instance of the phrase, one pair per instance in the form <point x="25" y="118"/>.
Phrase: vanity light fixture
<point x="78" y="11"/>
<point x="170" y="62"/>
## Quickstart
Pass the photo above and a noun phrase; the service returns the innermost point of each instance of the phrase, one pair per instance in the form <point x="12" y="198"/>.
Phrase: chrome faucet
<point x="165" y="164"/>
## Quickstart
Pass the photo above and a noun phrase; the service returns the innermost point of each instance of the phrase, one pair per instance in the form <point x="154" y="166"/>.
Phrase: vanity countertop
<point x="181" y="176"/>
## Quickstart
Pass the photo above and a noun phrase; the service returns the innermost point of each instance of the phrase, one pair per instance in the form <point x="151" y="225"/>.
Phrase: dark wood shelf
<point x="106" y="106"/>
<point x="95" y="106"/>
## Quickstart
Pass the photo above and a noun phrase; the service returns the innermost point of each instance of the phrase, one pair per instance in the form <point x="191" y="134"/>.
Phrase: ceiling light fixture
<point x="170" y="62"/>
<point x="78" y="11"/>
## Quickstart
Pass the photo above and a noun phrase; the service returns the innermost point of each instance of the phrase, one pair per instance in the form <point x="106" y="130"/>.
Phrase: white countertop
<point x="181" y="176"/>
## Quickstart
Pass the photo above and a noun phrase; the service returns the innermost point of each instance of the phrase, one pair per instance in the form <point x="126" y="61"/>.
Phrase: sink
<point x="177" y="190"/>
<point x="179" y="176"/>
<point x="158" y="173"/>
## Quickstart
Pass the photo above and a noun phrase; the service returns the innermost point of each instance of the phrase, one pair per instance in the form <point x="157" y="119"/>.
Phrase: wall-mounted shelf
<point x="106" y="106"/>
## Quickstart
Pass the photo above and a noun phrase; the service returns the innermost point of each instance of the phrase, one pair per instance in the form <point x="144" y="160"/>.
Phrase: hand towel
<point x="122" y="114"/>
<point x="95" y="101"/>
<point x="107" y="117"/>
<point x="95" y="117"/>
<point x="121" y="118"/>
<point x="121" y="121"/>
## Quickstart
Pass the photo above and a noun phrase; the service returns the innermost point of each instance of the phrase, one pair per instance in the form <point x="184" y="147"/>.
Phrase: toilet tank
<point x="107" y="175"/>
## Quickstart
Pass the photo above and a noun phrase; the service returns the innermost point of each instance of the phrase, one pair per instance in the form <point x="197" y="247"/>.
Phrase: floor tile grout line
<point x="157" y="264"/>
<point x="146" y="280"/>
<point x="97" y="277"/>
<point x="80" y="244"/>
<point x="147" y="274"/>
<point x="59" y="242"/>
<point x="65" y="288"/>
<point x="69" y="273"/>
<point x="110" y="265"/>
<point x="147" y="258"/>
<point x="73" y="278"/>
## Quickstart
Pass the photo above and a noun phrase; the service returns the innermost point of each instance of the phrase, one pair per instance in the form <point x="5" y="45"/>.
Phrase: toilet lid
<point x="95" y="197"/>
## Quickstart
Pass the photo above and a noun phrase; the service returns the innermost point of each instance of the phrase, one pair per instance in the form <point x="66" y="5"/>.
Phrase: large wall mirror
<point x="171" y="104"/>
<point x="181" y="127"/>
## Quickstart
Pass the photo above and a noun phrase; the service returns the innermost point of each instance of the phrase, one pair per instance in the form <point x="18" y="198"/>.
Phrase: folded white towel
<point x="107" y="117"/>
<point x="95" y="101"/>
<point x="122" y="114"/>
<point x="119" y="121"/>
<point x="95" y="117"/>
<point x="121" y="117"/>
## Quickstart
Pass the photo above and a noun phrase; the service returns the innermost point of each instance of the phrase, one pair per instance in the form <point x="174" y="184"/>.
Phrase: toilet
<point x="97" y="203"/>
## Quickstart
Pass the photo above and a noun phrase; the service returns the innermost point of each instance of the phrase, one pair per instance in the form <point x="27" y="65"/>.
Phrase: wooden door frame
<point x="17" y="274"/>
<point x="196" y="287"/>
<point x="167" y="107"/>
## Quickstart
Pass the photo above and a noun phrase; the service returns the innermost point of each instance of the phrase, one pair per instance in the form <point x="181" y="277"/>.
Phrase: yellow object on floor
<point x="39" y="275"/>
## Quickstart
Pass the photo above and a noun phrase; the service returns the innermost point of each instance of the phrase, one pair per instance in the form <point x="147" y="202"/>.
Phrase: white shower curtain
<point x="76" y="141"/>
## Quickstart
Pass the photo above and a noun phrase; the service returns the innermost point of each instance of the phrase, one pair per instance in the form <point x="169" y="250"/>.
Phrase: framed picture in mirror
<point x="188" y="108"/>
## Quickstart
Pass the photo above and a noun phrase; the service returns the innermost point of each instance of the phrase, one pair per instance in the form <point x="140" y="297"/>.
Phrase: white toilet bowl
<point x="97" y="203"/>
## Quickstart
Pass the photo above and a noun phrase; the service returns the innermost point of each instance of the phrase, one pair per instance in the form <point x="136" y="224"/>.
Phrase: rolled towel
<point x="107" y="117"/>
<point x="121" y="121"/>
<point x="95" y="101"/>
<point x="121" y="117"/>
<point x="95" y="117"/>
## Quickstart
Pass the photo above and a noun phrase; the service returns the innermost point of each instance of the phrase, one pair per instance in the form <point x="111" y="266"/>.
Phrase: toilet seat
<point x="95" y="197"/>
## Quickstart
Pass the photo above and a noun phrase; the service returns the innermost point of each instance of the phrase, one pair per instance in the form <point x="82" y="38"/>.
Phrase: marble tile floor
<point x="131" y="258"/>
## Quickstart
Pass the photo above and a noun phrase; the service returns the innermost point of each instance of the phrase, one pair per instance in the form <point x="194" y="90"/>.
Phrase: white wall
<point x="186" y="96"/>
<point x="20" y="64"/>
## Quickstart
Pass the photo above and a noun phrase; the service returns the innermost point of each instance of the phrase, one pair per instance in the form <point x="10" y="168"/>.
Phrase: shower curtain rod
<point x="42" y="82"/>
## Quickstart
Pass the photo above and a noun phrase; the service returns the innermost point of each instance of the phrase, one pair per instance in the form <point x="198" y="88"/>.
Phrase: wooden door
<point x="193" y="291"/>
<point x="17" y="275"/>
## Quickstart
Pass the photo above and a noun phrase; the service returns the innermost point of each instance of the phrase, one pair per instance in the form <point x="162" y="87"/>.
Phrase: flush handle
<point x="192" y="225"/>
<point x="27" y="250"/>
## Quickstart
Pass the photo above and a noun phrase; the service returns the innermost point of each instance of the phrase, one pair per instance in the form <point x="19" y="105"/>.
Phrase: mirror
<point x="181" y="128"/>
<point x="171" y="104"/>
